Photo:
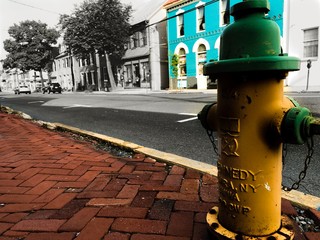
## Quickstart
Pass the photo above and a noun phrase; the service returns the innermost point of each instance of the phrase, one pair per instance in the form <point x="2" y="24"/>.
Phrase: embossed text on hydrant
<point x="234" y="181"/>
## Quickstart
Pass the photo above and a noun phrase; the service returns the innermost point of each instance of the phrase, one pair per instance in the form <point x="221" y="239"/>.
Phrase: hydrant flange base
<point x="284" y="233"/>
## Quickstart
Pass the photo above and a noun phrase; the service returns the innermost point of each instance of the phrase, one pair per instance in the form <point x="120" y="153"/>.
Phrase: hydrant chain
<point x="303" y="173"/>
<point x="212" y="140"/>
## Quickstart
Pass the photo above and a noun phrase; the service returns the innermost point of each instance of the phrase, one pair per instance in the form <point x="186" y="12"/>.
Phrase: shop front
<point x="136" y="74"/>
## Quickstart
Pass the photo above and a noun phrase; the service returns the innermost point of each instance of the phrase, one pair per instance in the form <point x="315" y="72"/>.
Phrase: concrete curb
<point x="297" y="197"/>
<point x="162" y="156"/>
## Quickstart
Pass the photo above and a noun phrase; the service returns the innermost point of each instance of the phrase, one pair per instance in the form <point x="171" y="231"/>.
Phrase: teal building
<point x="193" y="32"/>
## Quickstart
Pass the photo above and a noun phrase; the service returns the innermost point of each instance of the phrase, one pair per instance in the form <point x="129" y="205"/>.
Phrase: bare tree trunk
<point x="74" y="87"/>
<point x="41" y="77"/>
<point x="110" y="73"/>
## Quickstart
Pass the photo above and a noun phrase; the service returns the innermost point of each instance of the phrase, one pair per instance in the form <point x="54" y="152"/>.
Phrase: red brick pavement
<point x="55" y="187"/>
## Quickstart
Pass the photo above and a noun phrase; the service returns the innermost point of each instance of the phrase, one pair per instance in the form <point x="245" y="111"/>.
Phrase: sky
<point x="46" y="11"/>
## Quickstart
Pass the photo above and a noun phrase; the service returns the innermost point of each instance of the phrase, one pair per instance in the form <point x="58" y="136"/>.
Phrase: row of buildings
<point x="189" y="30"/>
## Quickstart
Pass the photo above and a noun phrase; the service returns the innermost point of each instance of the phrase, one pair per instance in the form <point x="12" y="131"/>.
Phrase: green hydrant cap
<point x="248" y="5"/>
<point x="251" y="43"/>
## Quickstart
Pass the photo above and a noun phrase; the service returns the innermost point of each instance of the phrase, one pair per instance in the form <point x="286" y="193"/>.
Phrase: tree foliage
<point x="174" y="65"/>
<point x="30" y="46"/>
<point x="97" y="26"/>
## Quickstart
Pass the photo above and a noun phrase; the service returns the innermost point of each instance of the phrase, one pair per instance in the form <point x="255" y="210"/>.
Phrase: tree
<point x="98" y="26"/>
<point x="30" y="46"/>
<point x="174" y="65"/>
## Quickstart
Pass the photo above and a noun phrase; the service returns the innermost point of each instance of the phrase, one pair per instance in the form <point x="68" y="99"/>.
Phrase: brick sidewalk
<point x="53" y="187"/>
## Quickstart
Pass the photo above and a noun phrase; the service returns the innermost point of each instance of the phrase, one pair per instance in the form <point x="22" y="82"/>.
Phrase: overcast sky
<point x="46" y="11"/>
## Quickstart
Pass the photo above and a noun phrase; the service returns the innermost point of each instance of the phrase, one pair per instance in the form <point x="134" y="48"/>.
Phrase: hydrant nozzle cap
<point x="249" y="5"/>
<point x="295" y="126"/>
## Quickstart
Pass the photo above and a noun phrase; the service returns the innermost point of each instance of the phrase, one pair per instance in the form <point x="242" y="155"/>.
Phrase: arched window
<point x="202" y="58"/>
<point x="182" y="63"/>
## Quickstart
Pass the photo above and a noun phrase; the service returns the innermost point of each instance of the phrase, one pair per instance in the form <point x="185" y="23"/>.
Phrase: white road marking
<point x="188" y="114"/>
<point x="188" y="119"/>
<point x="77" y="105"/>
<point x="36" y="102"/>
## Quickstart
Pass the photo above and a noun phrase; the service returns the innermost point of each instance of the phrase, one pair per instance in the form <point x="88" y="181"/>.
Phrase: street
<point x="163" y="121"/>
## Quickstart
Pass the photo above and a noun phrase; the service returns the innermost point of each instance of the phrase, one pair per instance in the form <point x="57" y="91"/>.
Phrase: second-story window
<point x="224" y="12"/>
<point x="131" y="42"/>
<point x="201" y="23"/>
<point x="136" y="39"/>
<point x="88" y="60"/>
<point x="180" y="19"/>
<point x="82" y="62"/>
<point x="143" y="38"/>
<point x="310" y="42"/>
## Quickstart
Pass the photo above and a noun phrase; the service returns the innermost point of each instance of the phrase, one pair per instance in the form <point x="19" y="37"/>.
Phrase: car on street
<point x="22" y="89"/>
<point x="52" y="88"/>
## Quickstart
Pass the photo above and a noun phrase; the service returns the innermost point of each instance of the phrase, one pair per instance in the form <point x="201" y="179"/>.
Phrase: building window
<point x="86" y="61"/>
<point x="145" y="72"/>
<point x="89" y="77"/>
<point x="310" y="42"/>
<point x="182" y="63"/>
<point x="143" y="38"/>
<point x="180" y="25"/>
<point x="136" y="39"/>
<point x="202" y="58"/>
<point x="83" y="62"/>
<point x="201" y="23"/>
<point x="129" y="73"/>
<point x="89" y="59"/>
<point x="132" y="42"/>
<point x="224" y="12"/>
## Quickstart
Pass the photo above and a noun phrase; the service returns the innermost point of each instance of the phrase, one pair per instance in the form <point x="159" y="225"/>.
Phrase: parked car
<point x="22" y="89"/>
<point x="52" y="88"/>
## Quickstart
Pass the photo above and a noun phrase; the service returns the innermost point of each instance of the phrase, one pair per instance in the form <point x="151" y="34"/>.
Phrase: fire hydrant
<point x="253" y="119"/>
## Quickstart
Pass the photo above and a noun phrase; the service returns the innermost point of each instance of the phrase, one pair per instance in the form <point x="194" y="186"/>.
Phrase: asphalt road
<point x="162" y="121"/>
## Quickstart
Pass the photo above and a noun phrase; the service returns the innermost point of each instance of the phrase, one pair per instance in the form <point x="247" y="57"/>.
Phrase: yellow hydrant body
<point x="251" y="119"/>
<point x="250" y="160"/>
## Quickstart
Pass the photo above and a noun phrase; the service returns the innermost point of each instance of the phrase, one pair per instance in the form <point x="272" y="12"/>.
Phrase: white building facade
<point x="301" y="39"/>
<point x="145" y="61"/>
